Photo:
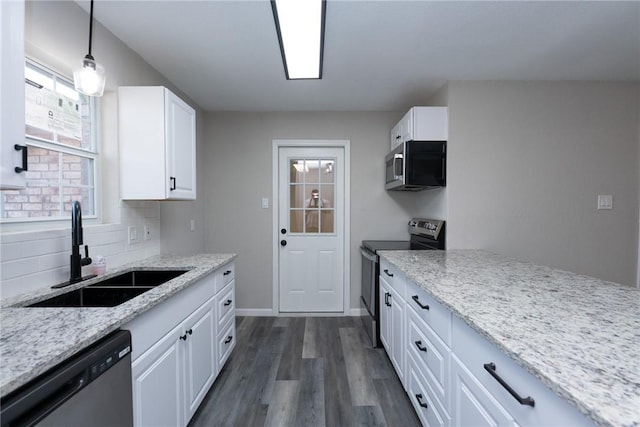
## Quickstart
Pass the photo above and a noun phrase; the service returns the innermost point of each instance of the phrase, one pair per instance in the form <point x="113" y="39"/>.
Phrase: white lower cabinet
<point x="178" y="349"/>
<point x="199" y="356"/>
<point x="428" y="409"/>
<point x="452" y="374"/>
<point x="157" y="383"/>
<point x="473" y="405"/>
<point x="392" y="317"/>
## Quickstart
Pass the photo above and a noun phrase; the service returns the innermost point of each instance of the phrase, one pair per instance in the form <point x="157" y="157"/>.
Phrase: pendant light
<point x="89" y="79"/>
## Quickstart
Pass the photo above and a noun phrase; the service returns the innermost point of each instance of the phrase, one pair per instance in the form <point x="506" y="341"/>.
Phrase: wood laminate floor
<point x="313" y="371"/>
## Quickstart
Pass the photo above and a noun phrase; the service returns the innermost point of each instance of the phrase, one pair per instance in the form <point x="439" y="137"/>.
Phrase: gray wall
<point x="527" y="162"/>
<point x="238" y="174"/>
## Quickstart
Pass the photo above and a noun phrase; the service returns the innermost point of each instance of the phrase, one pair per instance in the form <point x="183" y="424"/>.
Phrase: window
<point x="62" y="155"/>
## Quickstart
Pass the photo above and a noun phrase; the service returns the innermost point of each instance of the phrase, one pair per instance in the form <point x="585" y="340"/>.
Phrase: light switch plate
<point x="605" y="201"/>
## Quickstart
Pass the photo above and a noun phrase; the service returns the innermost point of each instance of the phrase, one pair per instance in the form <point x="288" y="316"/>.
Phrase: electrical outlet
<point x="605" y="201"/>
<point x="147" y="233"/>
<point x="133" y="234"/>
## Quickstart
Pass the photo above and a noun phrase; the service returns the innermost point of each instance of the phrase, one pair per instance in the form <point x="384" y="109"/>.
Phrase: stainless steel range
<point x="425" y="234"/>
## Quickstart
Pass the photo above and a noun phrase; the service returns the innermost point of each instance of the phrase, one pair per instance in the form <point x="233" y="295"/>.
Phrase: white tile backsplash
<point x="36" y="259"/>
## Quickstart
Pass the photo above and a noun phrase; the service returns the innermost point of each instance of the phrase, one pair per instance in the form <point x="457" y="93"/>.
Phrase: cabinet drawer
<point x="430" y="311"/>
<point x="475" y="352"/>
<point x="433" y="358"/>
<point x="393" y="277"/>
<point x="226" y="342"/>
<point x="428" y="409"/>
<point x="226" y="305"/>
<point x="224" y="275"/>
<point x="473" y="405"/>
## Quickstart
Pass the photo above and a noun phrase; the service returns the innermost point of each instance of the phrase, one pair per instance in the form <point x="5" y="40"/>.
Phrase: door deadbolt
<point x="283" y="231"/>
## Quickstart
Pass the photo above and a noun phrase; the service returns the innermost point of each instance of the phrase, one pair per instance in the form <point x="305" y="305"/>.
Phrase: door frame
<point x="345" y="144"/>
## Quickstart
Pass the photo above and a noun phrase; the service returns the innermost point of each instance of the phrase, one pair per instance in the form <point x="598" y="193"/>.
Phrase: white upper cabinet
<point x="157" y="132"/>
<point x="421" y="124"/>
<point x="12" y="94"/>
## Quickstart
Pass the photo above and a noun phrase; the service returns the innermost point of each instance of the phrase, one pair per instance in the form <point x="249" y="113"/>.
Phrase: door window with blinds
<point x="62" y="155"/>
<point x="312" y="195"/>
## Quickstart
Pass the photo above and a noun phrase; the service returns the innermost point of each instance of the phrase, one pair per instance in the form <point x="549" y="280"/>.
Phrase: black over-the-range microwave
<point x="416" y="166"/>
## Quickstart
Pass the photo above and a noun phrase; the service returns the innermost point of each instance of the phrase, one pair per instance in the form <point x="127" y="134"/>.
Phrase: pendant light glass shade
<point x="89" y="78"/>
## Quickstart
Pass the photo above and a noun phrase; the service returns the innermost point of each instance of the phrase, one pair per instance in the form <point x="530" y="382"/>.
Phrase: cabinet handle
<point x="226" y="273"/>
<point x="183" y="337"/>
<point x="491" y="368"/>
<point x="228" y="302"/>
<point x="388" y="274"/>
<point x="397" y="136"/>
<point x="173" y="183"/>
<point x="388" y="299"/>
<point x="420" y="402"/>
<point x="420" y="347"/>
<point x="189" y="331"/>
<point x="25" y="166"/>
<point x="417" y="300"/>
<point x="228" y="340"/>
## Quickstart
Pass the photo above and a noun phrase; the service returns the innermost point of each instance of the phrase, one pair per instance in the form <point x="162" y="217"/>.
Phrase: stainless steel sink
<point x="112" y="291"/>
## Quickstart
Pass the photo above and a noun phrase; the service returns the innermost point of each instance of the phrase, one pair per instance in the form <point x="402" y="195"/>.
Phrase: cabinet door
<point x="398" y="350"/>
<point x="11" y="93"/>
<point x="180" y="147"/>
<point x="472" y="403"/>
<point x="157" y="383"/>
<point x="385" y="314"/>
<point x="396" y="135"/>
<point x="200" y="369"/>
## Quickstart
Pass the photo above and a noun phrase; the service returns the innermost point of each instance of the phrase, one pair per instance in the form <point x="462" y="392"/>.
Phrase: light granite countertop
<point x="579" y="335"/>
<point x="33" y="340"/>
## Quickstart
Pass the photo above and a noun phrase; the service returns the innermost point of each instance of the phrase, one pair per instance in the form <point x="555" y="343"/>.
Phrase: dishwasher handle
<point x="26" y="412"/>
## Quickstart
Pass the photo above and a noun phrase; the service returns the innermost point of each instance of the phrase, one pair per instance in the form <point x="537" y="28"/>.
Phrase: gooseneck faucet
<point x="77" y="261"/>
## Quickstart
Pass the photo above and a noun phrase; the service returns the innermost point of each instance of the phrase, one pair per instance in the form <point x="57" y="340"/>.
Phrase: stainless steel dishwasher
<point x="92" y="388"/>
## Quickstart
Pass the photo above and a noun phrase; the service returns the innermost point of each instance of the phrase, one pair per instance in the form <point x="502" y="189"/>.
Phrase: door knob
<point x="283" y="231"/>
<point x="283" y="243"/>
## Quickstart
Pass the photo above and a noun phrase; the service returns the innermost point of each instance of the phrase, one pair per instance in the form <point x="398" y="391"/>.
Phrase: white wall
<point x="37" y="256"/>
<point x="526" y="164"/>
<point x="239" y="175"/>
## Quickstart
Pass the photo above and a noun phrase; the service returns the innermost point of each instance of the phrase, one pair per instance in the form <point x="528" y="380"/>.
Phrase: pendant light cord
<point x="90" y="29"/>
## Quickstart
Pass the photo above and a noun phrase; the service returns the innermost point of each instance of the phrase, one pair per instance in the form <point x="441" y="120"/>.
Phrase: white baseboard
<point x="255" y="312"/>
<point x="358" y="312"/>
<point x="267" y="312"/>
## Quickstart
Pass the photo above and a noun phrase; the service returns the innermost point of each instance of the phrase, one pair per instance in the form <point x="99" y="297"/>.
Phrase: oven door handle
<point x="368" y="255"/>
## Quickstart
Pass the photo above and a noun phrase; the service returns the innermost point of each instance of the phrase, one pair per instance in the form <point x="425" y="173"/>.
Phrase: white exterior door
<point x="311" y="232"/>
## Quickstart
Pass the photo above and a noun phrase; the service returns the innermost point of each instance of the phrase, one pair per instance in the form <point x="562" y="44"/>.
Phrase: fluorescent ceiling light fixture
<point x="300" y="27"/>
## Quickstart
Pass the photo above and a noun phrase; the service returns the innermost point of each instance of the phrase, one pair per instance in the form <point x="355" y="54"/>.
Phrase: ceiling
<point x="378" y="55"/>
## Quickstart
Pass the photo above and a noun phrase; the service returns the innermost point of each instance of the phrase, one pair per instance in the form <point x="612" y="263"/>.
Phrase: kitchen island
<point x="578" y="335"/>
<point x="33" y="340"/>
